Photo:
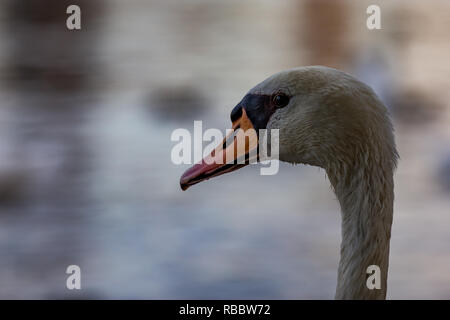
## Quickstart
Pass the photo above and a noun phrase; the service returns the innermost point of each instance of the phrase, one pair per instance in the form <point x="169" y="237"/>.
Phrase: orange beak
<point x="238" y="149"/>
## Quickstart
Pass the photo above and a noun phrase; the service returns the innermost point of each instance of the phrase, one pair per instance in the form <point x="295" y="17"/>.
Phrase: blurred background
<point x="86" y="176"/>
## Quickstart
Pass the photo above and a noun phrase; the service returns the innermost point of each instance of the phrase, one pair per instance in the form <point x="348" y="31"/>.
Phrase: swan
<point x="329" y="119"/>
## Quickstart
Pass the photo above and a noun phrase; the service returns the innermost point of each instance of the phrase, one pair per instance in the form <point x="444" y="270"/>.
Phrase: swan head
<point x="325" y="118"/>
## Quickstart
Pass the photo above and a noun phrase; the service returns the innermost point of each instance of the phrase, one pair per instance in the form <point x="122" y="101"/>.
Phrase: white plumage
<point x="336" y="122"/>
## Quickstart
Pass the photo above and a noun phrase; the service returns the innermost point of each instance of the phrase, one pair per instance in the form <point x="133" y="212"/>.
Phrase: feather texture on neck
<point x="365" y="190"/>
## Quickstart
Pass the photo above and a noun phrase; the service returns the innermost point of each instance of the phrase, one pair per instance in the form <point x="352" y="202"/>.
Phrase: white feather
<point x="336" y="122"/>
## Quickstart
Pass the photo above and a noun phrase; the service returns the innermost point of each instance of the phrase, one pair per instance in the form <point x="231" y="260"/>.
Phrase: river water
<point x="87" y="179"/>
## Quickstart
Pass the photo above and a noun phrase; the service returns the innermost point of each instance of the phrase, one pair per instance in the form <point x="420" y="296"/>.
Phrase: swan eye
<point x="280" y="100"/>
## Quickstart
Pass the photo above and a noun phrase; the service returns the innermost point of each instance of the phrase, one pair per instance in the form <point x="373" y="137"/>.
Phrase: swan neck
<point x="366" y="199"/>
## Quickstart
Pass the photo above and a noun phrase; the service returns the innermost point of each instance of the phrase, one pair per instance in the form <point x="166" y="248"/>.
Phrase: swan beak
<point x="238" y="149"/>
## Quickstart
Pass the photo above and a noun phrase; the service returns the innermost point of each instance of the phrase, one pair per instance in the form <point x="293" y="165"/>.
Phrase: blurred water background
<point x="85" y="171"/>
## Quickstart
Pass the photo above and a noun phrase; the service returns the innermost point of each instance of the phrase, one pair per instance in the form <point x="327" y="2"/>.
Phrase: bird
<point x="329" y="119"/>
